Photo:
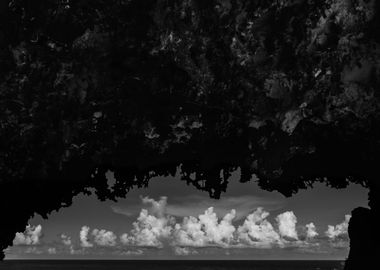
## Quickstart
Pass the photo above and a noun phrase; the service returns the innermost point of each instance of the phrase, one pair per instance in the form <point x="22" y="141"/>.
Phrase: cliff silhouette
<point x="285" y="90"/>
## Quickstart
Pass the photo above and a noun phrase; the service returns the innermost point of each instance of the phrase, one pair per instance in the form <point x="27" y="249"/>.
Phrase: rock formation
<point x="286" y="90"/>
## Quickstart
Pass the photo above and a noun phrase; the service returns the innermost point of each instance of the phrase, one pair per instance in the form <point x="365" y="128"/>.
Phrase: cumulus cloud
<point x="219" y="233"/>
<point x="339" y="230"/>
<point x="104" y="238"/>
<point x="287" y="225"/>
<point x="311" y="231"/>
<point x="206" y="230"/>
<point x="150" y="228"/>
<point x="31" y="236"/>
<point x="66" y="240"/>
<point x="190" y="233"/>
<point x="194" y="205"/>
<point x="158" y="208"/>
<point x="257" y="231"/>
<point x="99" y="237"/>
<point x="155" y="227"/>
<point x="83" y="236"/>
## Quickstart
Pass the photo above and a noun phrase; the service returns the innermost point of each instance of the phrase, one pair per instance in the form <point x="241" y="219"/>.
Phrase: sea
<point x="169" y="265"/>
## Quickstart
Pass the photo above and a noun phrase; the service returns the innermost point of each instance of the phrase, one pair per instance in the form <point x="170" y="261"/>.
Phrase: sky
<point x="171" y="220"/>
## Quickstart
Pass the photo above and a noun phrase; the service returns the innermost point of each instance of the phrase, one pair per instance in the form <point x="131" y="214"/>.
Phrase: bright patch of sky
<point x="170" y="220"/>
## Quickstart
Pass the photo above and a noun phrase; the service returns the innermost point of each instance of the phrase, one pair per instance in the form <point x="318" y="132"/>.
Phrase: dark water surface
<point x="168" y="265"/>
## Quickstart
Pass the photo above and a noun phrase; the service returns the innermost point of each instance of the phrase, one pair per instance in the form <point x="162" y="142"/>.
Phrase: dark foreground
<point x="166" y="265"/>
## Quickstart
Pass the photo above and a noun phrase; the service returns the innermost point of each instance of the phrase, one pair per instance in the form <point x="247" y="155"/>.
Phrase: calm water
<point x="169" y="265"/>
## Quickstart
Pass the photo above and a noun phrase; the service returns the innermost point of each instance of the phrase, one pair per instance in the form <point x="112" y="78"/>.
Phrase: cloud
<point x="190" y="233"/>
<point x="257" y="232"/>
<point x="338" y="234"/>
<point x="150" y="228"/>
<point x="66" y="240"/>
<point x="155" y="227"/>
<point x="311" y="231"/>
<point x="122" y="211"/>
<point x="31" y="236"/>
<point x="206" y="230"/>
<point x="243" y="204"/>
<point x="158" y="208"/>
<point x="104" y="238"/>
<point x="339" y="230"/>
<point x="194" y="205"/>
<point x="137" y="252"/>
<point x="287" y="225"/>
<point x="184" y="251"/>
<point x="218" y="233"/>
<point x="83" y="236"/>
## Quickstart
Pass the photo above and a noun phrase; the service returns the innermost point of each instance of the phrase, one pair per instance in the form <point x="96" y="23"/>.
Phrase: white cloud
<point x="101" y="238"/>
<point x="158" y="208"/>
<point x="194" y="205"/>
<point x="190" y="233"/>
<point x="31" y="236"/>
<point x="311" y="231"/>
<point x="104" y="238"/>
<point x="206" y="230"/>
<point x="218" y="233"/>
<point x="150" y="229"/>
<point x="339" y="230"/>
<point x="83" y="236"/>
<point x="66" y="240"/>
<point x="287" y="225"/>
<point x="156" y="227"/>
<point x="257" y="232"/>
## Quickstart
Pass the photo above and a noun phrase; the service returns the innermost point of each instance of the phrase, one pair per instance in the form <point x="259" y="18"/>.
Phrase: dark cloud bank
<point x="284" y="90"/>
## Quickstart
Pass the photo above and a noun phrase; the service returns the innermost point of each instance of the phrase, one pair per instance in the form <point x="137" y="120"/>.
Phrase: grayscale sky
<point x="264" y="225"/>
